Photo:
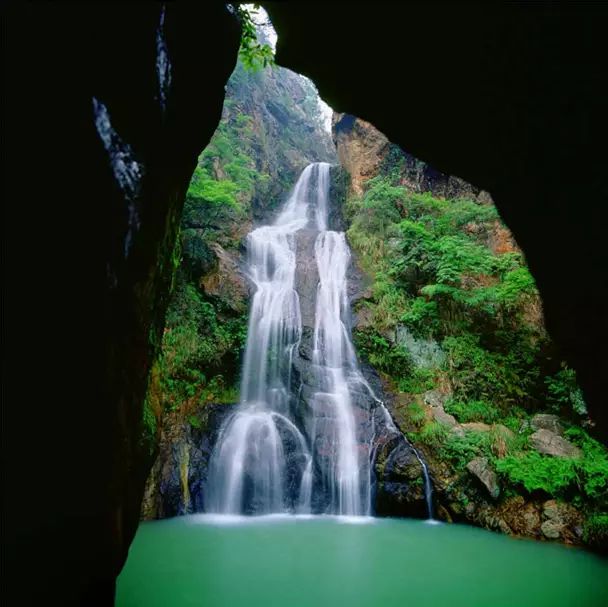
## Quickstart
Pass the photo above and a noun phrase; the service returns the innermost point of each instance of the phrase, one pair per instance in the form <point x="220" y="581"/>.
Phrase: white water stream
<point x="267" y="458"/>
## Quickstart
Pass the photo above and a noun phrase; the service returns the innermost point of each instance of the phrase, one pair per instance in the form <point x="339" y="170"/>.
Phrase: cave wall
<point x="507" y="97"/>
<point x="107" y="109"/>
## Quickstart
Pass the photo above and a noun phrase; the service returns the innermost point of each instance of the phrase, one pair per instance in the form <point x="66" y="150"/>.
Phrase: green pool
<point x="318" y="561"/>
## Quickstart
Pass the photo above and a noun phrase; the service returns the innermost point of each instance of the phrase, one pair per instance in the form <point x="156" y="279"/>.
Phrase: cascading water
<point x="298" y="444"/>
<point x="262" y="461"/>
<point x="248" y="468"/>
<point x="334" y="359"/>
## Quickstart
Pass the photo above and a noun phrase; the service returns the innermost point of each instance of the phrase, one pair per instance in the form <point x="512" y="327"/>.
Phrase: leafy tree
<point x="253" y="54"/>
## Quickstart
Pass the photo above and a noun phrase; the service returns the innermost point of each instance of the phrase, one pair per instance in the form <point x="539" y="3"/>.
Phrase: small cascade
<point x="428" y="486"/>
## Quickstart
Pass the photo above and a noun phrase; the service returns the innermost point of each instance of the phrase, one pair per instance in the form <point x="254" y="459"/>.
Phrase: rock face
<point x="480" y="468"/>
<point x="177" y="482"/>
<point x="363" y="150"/>
<point x="227" y="282"/>
<point x="481" y="139"/>
<point x="546" y="421"/>
<point x="120" y="137"/>
<point x="549" y="443"/>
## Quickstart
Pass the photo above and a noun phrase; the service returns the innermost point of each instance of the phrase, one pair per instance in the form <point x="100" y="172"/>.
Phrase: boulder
<point x="551" y="529"/>
<point x="549" y="443"/>
<point x="434" y="398"/>
<point x="480" y="468"/>
<point x="562" y="521"/>
<point x="546" y="421"/>
<point x="439" y="415"/>
<point x="477" y="427"/>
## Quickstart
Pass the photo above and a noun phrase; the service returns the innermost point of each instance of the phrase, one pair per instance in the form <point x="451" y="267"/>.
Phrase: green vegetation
<point x="262" y="142"/>
<point x="582" y="480"/>
<point x="253" y="54"/>
<point x="595" y="530"/>
<point x="444" y="270"/>
<point x="200" y="346"/>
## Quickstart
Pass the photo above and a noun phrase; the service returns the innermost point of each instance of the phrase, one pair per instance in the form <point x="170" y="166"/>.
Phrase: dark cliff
<point x="271" y="128"/>
<point x="524" y="119"/>
<point x="109" y="107"/>
<point x="508" y="97"/>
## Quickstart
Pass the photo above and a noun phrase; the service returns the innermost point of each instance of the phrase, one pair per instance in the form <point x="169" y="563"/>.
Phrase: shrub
<point x="595" y="529"/>
<point x="563" y="392"/>
<point x="417" y="380"/>
<point x="432" y="434"/>
<point x="462" y="449"/>
<point x="473" y="411"/>
<point x="553" y="475"/>
<point x="384" y="356"/>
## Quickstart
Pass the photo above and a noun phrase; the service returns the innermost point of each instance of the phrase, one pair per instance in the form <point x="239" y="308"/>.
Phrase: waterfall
<point x="270" y="456"/>
<point x="334" y="358"/>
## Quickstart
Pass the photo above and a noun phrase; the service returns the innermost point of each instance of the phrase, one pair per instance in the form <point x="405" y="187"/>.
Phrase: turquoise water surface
<point x="202" y="560"/>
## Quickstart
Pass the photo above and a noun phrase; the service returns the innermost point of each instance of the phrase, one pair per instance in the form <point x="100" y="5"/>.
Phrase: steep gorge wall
<point x="453" y="322"/>
<point x="101" y="143"/>
<point x="271" y="128"/>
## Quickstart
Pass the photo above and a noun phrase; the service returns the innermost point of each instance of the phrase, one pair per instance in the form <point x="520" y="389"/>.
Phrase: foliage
<point x="203" y="188"/>
<point x="432" y="434"/>
<point x="473" y="411"/>
<point x="195" y="422"/>
<point x="482" y="375"/>
<point x="564" y="395"/>
<point x="380" y="353"/>
<point x="553" y="475"/>
<point x="417" y="380"/>
<point x="593" y="465"/>
<point x="595" y="530"/>
<point x="416" y="414"/>
<point x="582" y="479"/>
<point x="197" y="338"/>
<point x="253" y="54"/>
<point x="435" y="273"/>
<point x="149" y="425"/>
<point x="461" y="449"/>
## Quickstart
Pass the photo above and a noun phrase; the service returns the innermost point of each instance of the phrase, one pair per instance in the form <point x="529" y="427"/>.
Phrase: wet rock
<point x="551" y="529"/>
<point x="177" y="483"/>
<point x="546" y="421"/>
<point x="305" y="348"/>
<point x="549" y="443"/>
<point x="480" y="468"/>
<point x="399" y="479"/>
<point x="307" y="275"/>
<point x="562" y="519"/>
